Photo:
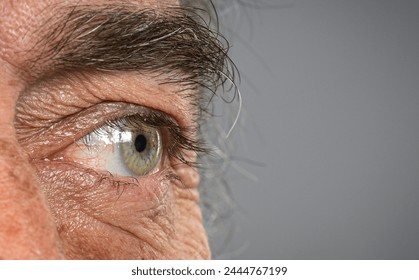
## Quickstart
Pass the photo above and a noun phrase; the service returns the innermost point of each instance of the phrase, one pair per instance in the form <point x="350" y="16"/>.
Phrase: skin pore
<point x="70" y="70"/>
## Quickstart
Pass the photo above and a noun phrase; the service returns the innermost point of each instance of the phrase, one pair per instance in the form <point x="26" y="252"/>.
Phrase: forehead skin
<point x="172" y="230"/>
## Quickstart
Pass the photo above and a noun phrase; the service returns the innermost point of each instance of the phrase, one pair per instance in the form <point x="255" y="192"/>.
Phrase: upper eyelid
<point x="70" y="93"/>
<point x="71" y="128"/>
<point x="123" y="121"/>
<point x="149" y="117"/>
<point x="133" y="122"/>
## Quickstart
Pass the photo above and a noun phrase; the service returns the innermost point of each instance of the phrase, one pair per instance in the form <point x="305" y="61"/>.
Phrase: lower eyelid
<point x="71" y="157"/>
<point x="76" y="181"/>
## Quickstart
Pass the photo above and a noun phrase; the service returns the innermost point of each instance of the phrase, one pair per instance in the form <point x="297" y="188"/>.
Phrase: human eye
<point x="135" y="145"/>
<point x="123" y="147"/>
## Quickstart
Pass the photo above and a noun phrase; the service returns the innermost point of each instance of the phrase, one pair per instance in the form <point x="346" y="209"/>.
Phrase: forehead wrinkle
<point x="168" y="43"/>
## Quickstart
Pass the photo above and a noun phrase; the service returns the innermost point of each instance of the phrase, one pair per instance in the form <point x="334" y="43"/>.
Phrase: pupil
<point x="140" y="143"/>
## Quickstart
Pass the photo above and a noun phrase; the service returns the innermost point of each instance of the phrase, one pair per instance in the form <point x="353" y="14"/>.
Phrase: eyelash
<point x="181" y="139"/>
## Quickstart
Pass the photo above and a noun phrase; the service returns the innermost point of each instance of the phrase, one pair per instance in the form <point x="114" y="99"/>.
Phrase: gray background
<point x="326" y="160"/>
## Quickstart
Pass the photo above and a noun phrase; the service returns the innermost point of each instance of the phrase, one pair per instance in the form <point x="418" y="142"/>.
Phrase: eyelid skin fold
<point x="65" y="132"/>
<point x="71" y="128"/>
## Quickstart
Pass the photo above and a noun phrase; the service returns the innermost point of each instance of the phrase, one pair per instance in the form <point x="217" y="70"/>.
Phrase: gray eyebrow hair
<point x="174" y="44"/>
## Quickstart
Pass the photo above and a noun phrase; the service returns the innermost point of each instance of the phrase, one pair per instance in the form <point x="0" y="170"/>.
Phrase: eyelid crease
<point x="68" y="130"/>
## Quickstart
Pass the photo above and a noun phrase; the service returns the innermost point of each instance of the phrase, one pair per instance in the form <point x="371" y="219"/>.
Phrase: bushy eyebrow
<point x="171" y="43"/>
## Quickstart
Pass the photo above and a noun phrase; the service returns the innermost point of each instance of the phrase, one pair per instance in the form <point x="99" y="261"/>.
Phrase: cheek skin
<point x="98" y="217"/>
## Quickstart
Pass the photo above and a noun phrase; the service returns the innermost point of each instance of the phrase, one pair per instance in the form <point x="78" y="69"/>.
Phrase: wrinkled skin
<point x="55" y="208"/>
